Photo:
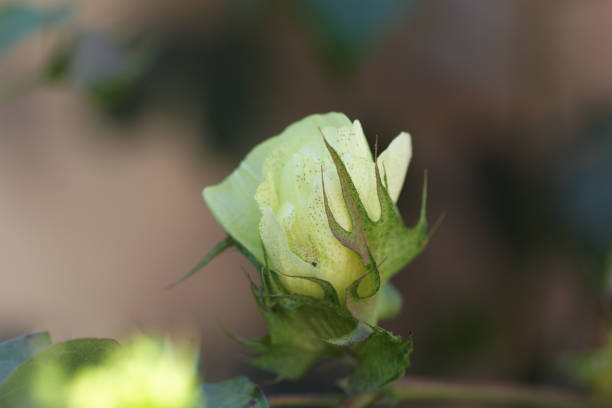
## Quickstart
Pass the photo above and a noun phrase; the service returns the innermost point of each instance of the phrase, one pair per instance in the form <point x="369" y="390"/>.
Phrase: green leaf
<point x="379" y="359"/>
<point x="18" y="20"/>
<point x="18" y="389"/>
<point x="238" y="392"/>
<point x="16" y="351"/>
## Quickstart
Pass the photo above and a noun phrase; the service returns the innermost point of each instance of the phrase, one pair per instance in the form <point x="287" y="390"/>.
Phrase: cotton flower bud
<point x="314" y="205"/>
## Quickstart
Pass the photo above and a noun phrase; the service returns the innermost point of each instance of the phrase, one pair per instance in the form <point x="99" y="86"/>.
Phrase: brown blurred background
<point x="114" y="115"/>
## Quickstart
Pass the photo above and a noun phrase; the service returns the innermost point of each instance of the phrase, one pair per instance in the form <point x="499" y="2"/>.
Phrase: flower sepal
<point x="304" y="329"/>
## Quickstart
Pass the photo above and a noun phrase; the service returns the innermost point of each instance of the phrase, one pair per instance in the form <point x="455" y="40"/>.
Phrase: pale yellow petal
<point x="232" y="202"/>
<point x="393" y="164"/>
<point x="281" y="259"/>
<point x="349" y="141"/>
<point x="352" y="147"/>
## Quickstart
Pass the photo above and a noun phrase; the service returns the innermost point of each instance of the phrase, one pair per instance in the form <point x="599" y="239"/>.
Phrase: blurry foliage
<point x="593" y="369"/>
<point x="458" y="337"/>
<point x="17" y="20"/>
<point x="146" y="372"/>
<point x="520" y="203"/>
<point x="237" y="392"/>
<point x="114" y="75"/>
<point x="121" y="72"/>
<point x="606" y="294"/>
<point x="16" y="391"/>
<point x="16" y="351"/>
<point x="232" y="64"/>
<point x="345" y="30"/>
<point x="586" y="188"/>
<point x="562" y="201"/>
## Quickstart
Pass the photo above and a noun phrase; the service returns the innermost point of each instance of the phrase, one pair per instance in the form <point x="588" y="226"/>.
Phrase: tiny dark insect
<point x="314" y="263"/>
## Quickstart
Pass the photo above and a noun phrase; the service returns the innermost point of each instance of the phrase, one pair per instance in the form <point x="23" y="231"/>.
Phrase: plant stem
<point x="414" y="389"/>
<point x="297" y="400"/>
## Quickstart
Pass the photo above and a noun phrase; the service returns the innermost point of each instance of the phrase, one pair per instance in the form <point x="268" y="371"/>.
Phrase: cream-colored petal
<point x="352" y="147"/>
<point x="299" y="134"/>
<point x="232" y="202"/>
<point x="340" y="265"/>
<point x="266" y="194"/>
<point x="281" y="259"/>
<point x="349" y="141"/>
<point x="364" y="178"/>
<point x="393" y="163"/>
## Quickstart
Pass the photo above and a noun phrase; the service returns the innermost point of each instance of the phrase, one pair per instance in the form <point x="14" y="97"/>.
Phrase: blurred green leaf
<point x="238" y="392"/>
<point x="16" y="351"/>
<point x="593" y="369"/>
<point x="18" y="389"/>
<point x="232" y="68"/>
<point x="379" y="359"/>
<point x="58" y="65"/>
<point x="346" y="29"/>
<point x="114" y="73"/>
<point x="18" y="20"/>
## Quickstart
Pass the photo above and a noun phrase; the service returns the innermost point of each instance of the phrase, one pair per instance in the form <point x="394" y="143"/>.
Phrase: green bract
<point x="315" y="211"/>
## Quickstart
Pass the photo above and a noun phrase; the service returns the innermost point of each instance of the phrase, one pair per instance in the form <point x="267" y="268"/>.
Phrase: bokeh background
<point x="115" y="114"/>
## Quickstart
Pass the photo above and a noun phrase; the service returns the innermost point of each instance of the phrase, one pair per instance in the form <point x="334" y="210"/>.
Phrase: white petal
<point x="232" y="202"/>
<point x="352" y="147"/>
<point x="283" y="260"/>
<point x="349" y="141"/>
<point x="393" y="164"/>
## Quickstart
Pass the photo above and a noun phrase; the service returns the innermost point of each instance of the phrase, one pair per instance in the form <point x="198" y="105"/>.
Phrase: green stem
<point x="424" y="390"/>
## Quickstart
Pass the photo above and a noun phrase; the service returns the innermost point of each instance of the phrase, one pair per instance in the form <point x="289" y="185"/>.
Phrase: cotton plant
<point x="315" y="211"/>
